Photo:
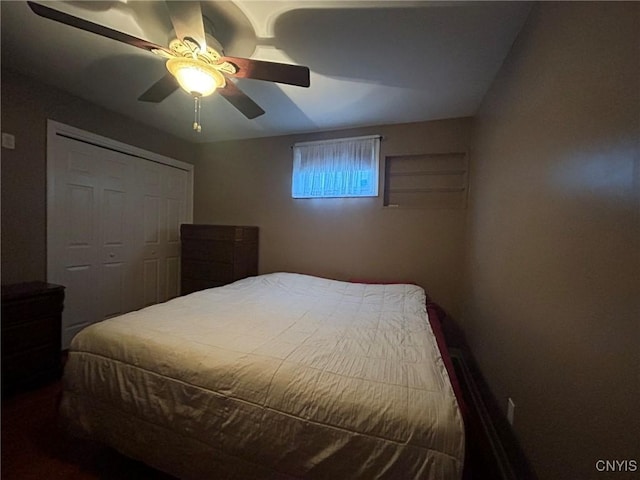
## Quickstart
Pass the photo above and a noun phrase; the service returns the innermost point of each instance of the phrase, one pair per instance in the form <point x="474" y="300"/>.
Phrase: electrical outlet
<point x="511" y="410"/>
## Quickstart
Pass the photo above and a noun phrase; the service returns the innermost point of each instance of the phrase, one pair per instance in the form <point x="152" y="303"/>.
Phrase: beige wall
<point x="553" y="308"/>
<point x="26" y="106"/>
<point x="551" y="236"/>
<point x="249" y="182"/>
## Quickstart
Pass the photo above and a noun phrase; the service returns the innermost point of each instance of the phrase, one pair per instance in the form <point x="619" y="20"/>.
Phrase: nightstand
<point x="31" y="324"/>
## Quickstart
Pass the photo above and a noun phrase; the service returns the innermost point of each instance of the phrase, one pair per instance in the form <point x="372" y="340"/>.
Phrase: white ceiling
<point x="371" y="62"/>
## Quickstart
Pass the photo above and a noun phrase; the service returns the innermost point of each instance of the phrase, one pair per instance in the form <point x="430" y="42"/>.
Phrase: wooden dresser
<point x="214" y="255"/>
<point x="31" y="324"/>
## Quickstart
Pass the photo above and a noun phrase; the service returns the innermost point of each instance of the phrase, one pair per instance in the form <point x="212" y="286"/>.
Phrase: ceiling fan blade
<point x="240" y="100"/>
<point x="270" y="71"/>
<point x="160" y="90"/>
<point x="186" y="17"/>
<point x="87" y="26"/>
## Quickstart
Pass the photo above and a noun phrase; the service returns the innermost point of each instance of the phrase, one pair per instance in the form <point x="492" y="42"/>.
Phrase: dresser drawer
<point x="214" y="271"/>
<point x="30" y="334"/>
<point x="28" y="309"/>
<point x="224" y="233"/>
<point x="190" y="285"/>
<point x="212" y="250"/>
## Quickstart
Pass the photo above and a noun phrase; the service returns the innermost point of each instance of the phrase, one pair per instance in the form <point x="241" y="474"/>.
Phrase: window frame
<point x="374" y="170"/>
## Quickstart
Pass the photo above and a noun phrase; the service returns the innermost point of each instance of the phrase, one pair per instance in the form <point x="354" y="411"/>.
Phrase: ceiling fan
<point x="195" y="60"/>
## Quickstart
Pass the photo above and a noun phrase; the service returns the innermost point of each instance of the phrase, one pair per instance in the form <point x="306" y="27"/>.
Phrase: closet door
<point x="163" y="209"/>
<point x="116" y="261"/>
<point x="90" y="246"/>
<point x="113" y="231"/>
<point x="176" y="207"/>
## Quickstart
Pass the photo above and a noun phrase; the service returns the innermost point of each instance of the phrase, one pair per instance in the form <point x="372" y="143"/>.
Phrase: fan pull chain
<point x="196" y="118"/>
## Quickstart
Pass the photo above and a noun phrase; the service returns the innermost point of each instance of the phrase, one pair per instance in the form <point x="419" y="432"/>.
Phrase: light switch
<point x="8" y="141"/>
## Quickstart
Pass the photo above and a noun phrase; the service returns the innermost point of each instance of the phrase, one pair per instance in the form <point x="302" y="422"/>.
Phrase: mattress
<point x="276" y="376"/>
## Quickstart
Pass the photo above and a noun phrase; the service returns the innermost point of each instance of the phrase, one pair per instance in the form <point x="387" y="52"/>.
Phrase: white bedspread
<point x="277" y="376"/>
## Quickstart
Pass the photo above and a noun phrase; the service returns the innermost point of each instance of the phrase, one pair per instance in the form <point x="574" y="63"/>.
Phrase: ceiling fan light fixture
<point x="195" y="77"/>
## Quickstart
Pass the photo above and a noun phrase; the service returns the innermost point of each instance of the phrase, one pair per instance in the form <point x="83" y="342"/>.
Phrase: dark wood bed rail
<point x="492" y="448"/>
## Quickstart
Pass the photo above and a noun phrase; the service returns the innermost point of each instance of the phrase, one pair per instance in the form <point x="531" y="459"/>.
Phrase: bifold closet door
<point x="163" y="203"/>
<point x="113" y="237"/>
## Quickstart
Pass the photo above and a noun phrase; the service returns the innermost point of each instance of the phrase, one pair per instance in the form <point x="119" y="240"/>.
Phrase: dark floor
<point x="35" y="447"/>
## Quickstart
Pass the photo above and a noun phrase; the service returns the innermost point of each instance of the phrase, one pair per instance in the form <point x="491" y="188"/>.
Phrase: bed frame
<point x="433" y="311"/>
<point x="492" y="449"/>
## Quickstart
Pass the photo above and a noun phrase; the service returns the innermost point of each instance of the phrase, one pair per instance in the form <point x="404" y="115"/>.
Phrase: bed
<point x="278" y="376"/>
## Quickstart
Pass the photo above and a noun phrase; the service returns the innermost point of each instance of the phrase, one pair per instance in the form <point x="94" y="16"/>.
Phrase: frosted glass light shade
<point x="195" y="77"/>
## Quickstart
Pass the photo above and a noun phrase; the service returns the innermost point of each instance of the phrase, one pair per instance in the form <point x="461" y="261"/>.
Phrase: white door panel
<point x="151" y="281"/>
<point x="112" y="293"/>
<point x="77" y="238"/>
<point x="150" y="186"/>
<point x="79" y="306"/>
<point x="117" y="250"/>
<point x="173" y="277"/>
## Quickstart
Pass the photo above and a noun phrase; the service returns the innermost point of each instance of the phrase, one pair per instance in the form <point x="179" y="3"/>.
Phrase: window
<point x="346" y="167"/>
